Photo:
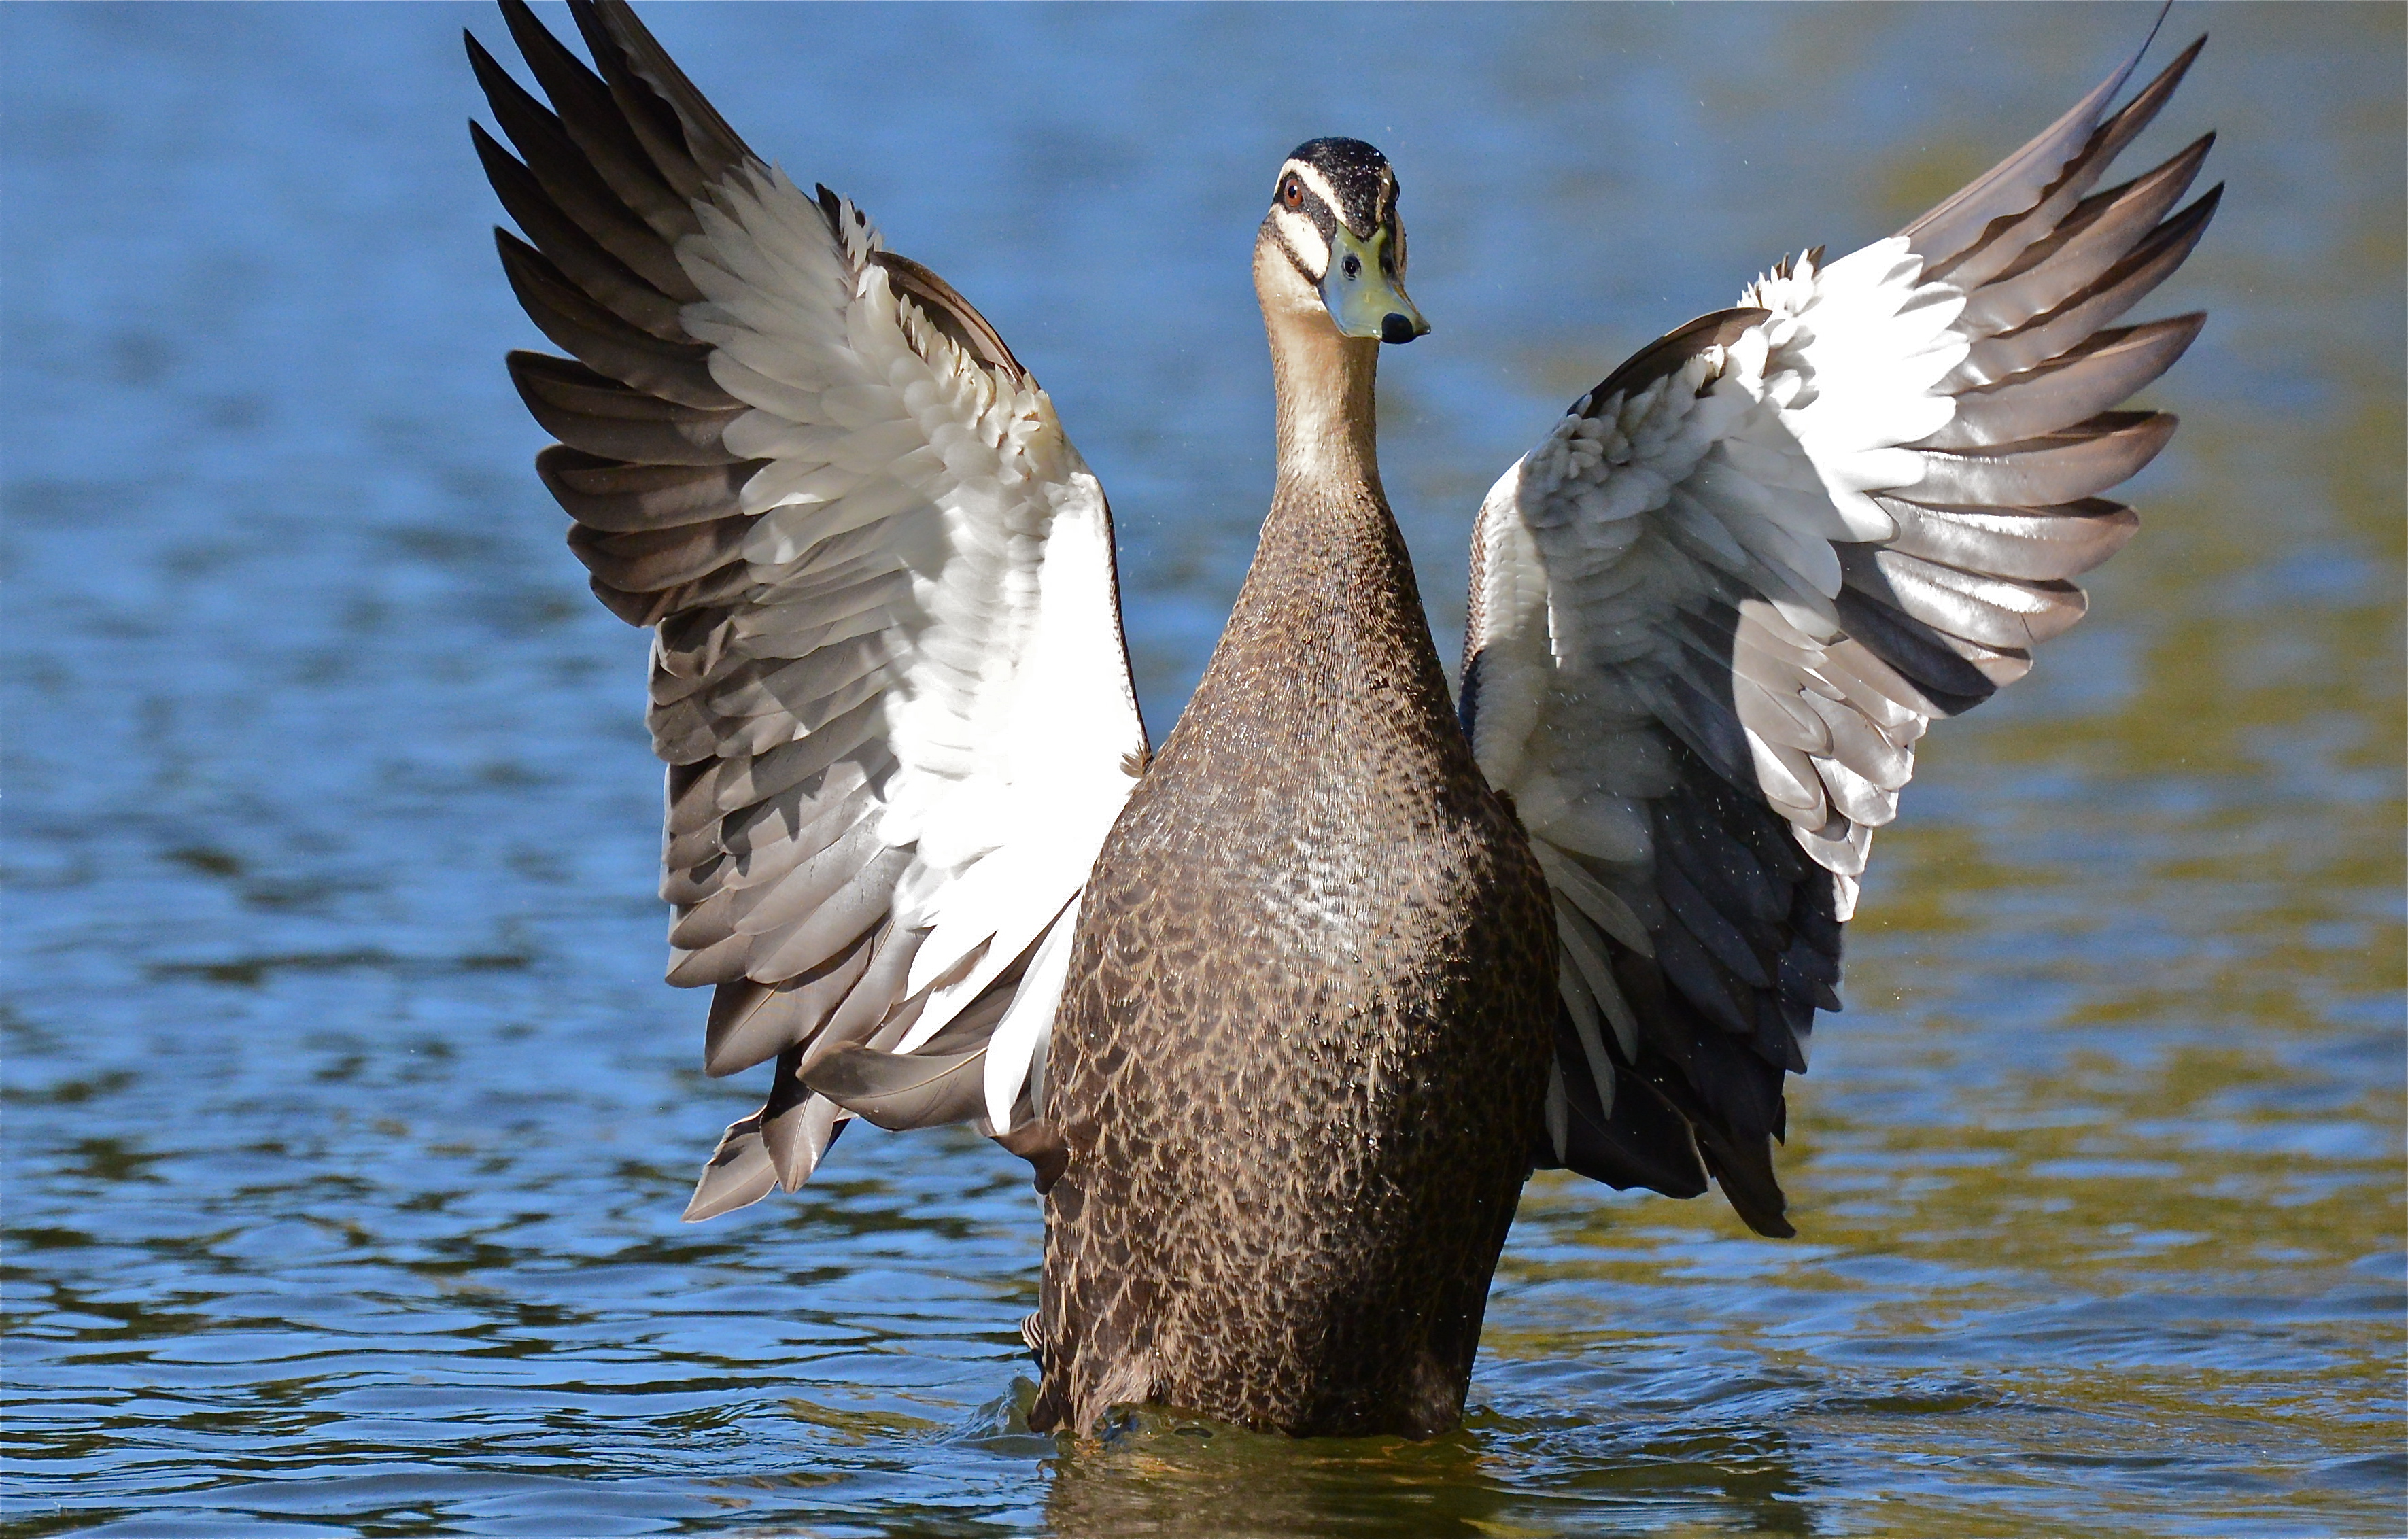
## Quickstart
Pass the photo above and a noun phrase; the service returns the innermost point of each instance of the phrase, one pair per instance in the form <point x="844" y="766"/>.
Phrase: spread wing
<point x="1714" y="611"/>
<point x="888" y="675"/>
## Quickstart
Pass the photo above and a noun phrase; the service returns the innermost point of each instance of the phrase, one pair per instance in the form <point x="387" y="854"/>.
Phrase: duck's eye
<point x="1292" y="193"/>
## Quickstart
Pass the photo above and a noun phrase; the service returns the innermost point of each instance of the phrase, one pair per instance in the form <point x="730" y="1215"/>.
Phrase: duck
<point x="1284" y="1012"/>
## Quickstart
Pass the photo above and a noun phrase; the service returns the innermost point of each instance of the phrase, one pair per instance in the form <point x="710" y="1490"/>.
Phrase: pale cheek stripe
<point x="1304" y="242"/>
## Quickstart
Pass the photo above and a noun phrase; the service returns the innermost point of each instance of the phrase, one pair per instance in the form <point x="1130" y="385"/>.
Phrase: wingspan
<point x="1713" y="612"/>
<point x="888" y="675"/>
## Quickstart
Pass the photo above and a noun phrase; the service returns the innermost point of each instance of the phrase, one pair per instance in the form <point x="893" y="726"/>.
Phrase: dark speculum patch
<point x="1357" y="173"/>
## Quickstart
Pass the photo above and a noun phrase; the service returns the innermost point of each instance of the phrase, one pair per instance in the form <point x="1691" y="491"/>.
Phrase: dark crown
<point x="1357" y="173"/>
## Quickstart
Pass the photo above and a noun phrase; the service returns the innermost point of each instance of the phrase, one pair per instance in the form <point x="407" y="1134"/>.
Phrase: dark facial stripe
<point x="1359" y="176"/>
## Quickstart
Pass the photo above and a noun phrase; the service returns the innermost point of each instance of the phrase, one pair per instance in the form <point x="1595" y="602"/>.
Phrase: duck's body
<point x="1284" y="1018"/>
<point x="1298" y="1072"/>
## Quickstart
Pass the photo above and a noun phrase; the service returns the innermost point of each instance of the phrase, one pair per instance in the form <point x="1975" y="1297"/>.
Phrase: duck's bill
<point x="1361" y="296"/>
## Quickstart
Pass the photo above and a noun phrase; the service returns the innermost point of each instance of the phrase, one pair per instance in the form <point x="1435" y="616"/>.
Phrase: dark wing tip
<point x="738" y="1173"/>
<point x="1744" y="1171"/>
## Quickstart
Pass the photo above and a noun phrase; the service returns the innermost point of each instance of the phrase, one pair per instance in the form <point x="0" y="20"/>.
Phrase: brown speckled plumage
<point x="1299" y="1067"/>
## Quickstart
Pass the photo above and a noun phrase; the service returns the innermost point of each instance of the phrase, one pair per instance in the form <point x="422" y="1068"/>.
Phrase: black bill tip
<point x="1397" y="328"/>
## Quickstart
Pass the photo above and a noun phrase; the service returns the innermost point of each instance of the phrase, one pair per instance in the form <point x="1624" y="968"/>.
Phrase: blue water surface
<point x="347" y="1121"/>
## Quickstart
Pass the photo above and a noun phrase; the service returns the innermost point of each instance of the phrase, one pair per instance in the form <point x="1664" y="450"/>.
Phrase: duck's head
<point x="1333" y="242"/>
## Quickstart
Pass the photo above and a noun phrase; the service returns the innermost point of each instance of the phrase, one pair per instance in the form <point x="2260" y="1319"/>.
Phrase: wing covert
<point x="887" y="672"/>
<point x="1713" y="613"/>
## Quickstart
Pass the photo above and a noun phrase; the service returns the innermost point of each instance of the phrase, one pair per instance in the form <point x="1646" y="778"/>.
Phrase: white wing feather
<point x="1732" y="480"/>
<point x="889" y="676"/>
<point x="1714" y="611"/>
<point x="1007" y="705"/>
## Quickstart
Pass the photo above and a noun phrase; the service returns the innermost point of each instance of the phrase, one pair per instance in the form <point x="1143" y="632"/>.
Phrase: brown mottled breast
<point x="1301" y="1064"/>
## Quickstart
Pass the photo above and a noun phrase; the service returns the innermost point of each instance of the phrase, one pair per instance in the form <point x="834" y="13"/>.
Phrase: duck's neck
<point x="1328" y="411"/>
<point x="1329" y="546"/>
<point x="1328" y="640"/>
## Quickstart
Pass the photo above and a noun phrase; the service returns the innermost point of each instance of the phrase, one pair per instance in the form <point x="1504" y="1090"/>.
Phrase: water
<point x="347" y="1123"/>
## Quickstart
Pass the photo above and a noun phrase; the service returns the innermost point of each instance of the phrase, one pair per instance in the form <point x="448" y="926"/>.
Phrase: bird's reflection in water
<point x="1157" y="1473"/>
